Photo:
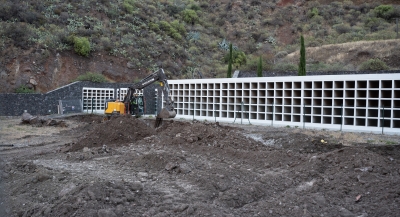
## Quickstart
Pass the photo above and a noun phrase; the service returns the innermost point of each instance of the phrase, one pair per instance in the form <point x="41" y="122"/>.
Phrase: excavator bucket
<point x="163" y="114"/>
<point x="166" y="114"/>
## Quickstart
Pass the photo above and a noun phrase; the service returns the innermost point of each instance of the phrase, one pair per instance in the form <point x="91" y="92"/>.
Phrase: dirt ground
<point x="125" y="167"/>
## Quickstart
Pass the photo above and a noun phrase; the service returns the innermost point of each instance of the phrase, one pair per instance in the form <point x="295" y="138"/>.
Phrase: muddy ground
<point x="125" y="167"/>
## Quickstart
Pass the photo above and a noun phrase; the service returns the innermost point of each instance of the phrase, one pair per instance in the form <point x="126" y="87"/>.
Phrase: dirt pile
<point x="38" y="121"/>
<point x="116" y="132"/>
<point x="204" y="134"/>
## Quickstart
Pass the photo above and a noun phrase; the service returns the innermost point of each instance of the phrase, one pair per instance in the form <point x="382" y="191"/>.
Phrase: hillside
<point x="47" y="44"/>
<point x="350" y="55"/>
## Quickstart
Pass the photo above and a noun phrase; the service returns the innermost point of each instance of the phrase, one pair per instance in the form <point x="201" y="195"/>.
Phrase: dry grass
<point x="12" y="128"/>
<point x="351" y="138"/>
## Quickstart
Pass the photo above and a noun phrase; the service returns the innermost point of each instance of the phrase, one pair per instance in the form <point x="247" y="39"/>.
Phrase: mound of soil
<point x="118" y="131"/>
<point x="206" y="134"/>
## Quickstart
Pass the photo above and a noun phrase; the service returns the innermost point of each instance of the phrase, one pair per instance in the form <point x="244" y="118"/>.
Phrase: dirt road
<point x="125" y="167"/>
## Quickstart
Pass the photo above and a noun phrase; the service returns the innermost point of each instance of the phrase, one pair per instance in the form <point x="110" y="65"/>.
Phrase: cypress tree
<point x="259" y="68"/>
<point x="302" y="64"/>
<point x="229" y="74"/>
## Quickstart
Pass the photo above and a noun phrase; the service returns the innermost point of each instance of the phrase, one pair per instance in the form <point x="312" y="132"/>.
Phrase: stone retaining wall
<point x="14" y="104"/>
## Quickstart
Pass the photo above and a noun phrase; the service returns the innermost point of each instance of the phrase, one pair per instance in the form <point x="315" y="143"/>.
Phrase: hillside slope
<point x="351" y="54"/>
<point x="47" y="44"/>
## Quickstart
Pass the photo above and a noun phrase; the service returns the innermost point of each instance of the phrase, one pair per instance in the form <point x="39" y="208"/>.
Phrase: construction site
<point x="243" y="147"/>
<point x="81" y="165"/>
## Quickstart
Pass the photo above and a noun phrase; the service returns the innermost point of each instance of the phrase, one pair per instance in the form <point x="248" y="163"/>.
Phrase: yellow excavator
<point x="124" y="106"/>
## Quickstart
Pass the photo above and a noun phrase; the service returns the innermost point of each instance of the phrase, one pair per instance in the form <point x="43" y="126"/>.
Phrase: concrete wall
<point x="12" y="104"/>
<point x="365" y="102"/>
<point x="279" y="74"/>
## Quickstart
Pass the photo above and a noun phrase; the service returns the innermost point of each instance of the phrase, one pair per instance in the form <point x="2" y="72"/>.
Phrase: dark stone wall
<point x="277" y="74"/>
<point x="13" y="104"/>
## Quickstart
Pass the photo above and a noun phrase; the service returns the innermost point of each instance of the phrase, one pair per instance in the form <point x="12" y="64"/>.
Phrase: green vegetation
<point x="229" y="73"/>
<point x="259" y="68"/>
<point x="237" y="57"/>
<point x="129" y="5"/>
<point x="81" y="46"/>
<point x="285" y="67"/>
<point x="313" y="12"/>
<point x="24" y="89"/>
<point x="93" y="77"/>
<point x="174" y="29"/>
<point x="384" y="11"/>
<point x="302" y="64"/>
<point x="391" y="142"/>
<point x="190" y="16"/>
<point x="373" y="65"/>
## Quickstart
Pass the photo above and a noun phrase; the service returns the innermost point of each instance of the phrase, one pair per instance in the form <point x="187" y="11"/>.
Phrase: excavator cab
<point x="136" y="105"/>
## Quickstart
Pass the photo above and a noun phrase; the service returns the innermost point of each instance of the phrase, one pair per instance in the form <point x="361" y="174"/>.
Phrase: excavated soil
<point x="126" y="167"/>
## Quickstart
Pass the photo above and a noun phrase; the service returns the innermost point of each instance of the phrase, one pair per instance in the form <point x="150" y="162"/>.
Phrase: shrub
<point x="32" y="17"/>
<point x="251" y="63"/>
<point x="194" y="7"/>
<point x="107" y="44"/>
<point x="313" y="12"/>
<point x="172" y="10"/>
<point x="174" y="30"/>
<point x="179" y="27"/>
<point x="113" y="11"/>
<point x="19" y="33"/>
<point x="155" y="27"/>
<point x="285" y="67"/>
<point x="93" y="77"/>
<point x="384" y="11"/>
<point x="176" y="35"/>
<point x="238" y="58"/>
<point x="342" y="28"/>
<point x="374" y="24"/>
<point x="281" y="54"/>
<point x="129" y="5"/>
<point x="317" y="19"/>
<point x="347" y="4"/>
<point x="373" y="65"/>
<point x="165" y="26"/>
<point x="81" y="46"/>
<point x="24" y="89"/>
<point x="381" y="35"/>
<point x="189" y="16"/>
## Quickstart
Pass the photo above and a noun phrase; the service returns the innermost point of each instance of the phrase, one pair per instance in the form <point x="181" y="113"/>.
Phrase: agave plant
<point x="193" y="36"/>
<point x="224" y="45"/>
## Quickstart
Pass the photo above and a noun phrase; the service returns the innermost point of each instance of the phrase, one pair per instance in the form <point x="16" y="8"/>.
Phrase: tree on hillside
<point x="302" y="64"/>
<point x="238" y="58"/>
<point x="259" y="68"/>
<point x="229" y="74"/>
